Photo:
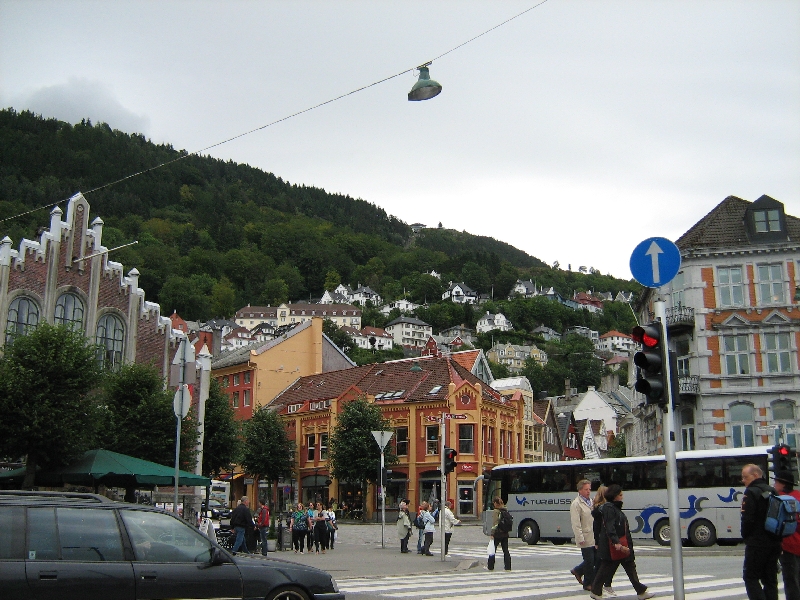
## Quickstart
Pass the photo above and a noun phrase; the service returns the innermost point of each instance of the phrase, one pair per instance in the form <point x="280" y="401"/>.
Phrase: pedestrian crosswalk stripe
<point x="516" y="584"/>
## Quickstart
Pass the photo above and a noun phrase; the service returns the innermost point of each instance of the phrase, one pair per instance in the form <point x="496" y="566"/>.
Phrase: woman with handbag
<point x="615" y="546"/>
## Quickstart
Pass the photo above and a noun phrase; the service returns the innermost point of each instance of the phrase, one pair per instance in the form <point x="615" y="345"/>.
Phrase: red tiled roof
<point x="467" y="358"/>
<point x="615" y="333"/>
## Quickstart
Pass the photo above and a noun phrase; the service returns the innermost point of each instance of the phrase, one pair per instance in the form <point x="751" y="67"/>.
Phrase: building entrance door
<point x="466" y="499"/>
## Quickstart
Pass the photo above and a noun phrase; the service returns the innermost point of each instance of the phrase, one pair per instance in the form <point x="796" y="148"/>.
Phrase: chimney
<point x="567" y="389"/>
<point x="216" y="341"/>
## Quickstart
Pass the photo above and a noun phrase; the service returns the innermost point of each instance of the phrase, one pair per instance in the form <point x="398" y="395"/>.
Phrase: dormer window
<point x="765" y="221"/>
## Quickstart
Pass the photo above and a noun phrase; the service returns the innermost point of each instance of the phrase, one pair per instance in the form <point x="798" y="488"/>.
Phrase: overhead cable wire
<point x="286" y="118"/>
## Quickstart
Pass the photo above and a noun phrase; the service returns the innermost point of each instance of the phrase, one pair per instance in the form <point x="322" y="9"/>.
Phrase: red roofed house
<point x="489" y="435"/>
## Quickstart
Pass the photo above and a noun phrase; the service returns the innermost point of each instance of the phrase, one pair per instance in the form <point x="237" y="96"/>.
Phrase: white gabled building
<point x="615" y="342"/>
<point x="490" y="322"/>
<point x="460" y="293"/>
<point x="409" y="332"/>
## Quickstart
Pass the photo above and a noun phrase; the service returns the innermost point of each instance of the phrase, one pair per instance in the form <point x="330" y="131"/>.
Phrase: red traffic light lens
<point x="783" y="451"/>
<point x="649" y="335"/>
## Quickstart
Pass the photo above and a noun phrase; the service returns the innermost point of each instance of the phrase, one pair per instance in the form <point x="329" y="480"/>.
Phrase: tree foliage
<point x="48" y="412"/>
<point x="222" y="443"/>
<point x="139" y="418"/>
<point x="354" y="456"/>
<point x="268" y="452"/>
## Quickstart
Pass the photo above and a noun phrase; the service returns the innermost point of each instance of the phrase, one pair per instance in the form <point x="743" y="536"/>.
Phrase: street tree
<point x="48" y="411"/>
<point x="222" y="443"/>
<point x="139" y="418"/>
<point x="268" y="452"/>
<point x="354" y="455"/>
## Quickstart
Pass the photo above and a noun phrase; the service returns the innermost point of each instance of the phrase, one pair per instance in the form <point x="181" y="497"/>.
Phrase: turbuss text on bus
<point x="538" y="495"/>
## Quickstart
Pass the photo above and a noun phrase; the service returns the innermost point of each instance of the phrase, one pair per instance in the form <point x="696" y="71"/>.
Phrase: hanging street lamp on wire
<point x="425" y="88"/>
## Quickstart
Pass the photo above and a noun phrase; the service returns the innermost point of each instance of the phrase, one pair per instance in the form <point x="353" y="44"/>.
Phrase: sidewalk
<point x="358" y="553"/>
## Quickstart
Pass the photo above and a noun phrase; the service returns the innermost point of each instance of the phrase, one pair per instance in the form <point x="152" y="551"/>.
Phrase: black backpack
<point x="419" y="522"/>
<point x="506" y="521"/>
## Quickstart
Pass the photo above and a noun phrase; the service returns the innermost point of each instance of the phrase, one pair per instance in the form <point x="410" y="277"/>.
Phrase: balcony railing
<point x="688" y="384"/>
<point x="680" y="316"/>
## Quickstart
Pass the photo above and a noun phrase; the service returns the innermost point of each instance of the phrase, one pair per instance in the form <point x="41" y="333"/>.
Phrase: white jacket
<point x="449" y="520"/>
<point x="580" y="517"/>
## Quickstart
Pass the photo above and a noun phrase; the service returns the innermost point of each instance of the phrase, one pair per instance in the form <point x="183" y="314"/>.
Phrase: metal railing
<point x="688" y="384"/>
<point x="680" y="315"/>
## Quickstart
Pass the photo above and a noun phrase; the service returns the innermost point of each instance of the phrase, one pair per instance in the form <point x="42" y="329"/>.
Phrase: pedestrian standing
<point x="790" y="546"/>
<point x="321" y="536"/>
<point x="310" y="513"/>
<point x="762" y="549"/>
<point x="614" y="536"/>
<point x="332" y="527"/>
<point x="430" y="529"/>
<point x="403" y="527"/>
<point x="299" y="528"/>
<point x="263" y="523"/>
<point x="449" y="520"/>
<point x="499" y="533"/>
<point x="580" y="516"/>
<point x="419" y="523"/>
<point x="597" y="526"/>
<point x="242" y="523"/>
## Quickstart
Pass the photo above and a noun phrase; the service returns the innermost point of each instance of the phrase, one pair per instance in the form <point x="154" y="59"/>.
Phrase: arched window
<point x="687" y="429"/>
<point x="783" y="417"/>
<point x="742" y="424"/>
<point x="69" y="311"/>
<point x="110" y="338"/>
<point x="23" y="317"/>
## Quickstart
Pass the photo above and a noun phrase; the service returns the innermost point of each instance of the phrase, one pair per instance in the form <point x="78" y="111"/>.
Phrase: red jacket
<point x="791" y="544"/>
<point x="262" y="520"/>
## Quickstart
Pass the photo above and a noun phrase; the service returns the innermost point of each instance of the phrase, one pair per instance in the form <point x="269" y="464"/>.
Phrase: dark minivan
<point x="71" y="546"/>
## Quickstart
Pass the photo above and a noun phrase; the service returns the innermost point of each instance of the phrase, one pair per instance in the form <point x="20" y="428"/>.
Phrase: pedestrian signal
<point x="650" y="378"/>
<point x="450" y="460"/>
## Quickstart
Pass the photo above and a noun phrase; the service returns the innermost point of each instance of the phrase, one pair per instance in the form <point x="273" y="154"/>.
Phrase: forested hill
<point x="215" y="235"/>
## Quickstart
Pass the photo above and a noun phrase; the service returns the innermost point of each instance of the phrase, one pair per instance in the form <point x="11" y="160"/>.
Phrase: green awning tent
<point x="111" y="469"/>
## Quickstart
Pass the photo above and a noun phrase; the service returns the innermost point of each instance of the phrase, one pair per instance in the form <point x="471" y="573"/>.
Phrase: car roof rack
<point x="49" y="497"/>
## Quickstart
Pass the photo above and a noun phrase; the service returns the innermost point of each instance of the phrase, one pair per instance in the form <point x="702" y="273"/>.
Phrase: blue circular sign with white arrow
<point x="655" y="262"/>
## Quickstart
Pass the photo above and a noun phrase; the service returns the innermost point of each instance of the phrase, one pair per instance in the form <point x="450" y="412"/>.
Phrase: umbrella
<point x="111" y="469"/>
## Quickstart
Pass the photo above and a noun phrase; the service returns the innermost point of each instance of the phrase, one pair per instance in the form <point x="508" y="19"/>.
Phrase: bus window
<point x="493" y="488"/>
<point x="593" y="473"/>
<point x="700" y="473"/>
<point x="557" y="479"/>
<point x="654" y="475"/>
<point x="626" y="475"/>
<point x="734" y="465"/>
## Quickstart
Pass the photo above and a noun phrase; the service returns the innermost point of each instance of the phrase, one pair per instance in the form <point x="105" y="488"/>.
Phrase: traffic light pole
<point x="443" y="497"/>
<point x="668" y="420"/>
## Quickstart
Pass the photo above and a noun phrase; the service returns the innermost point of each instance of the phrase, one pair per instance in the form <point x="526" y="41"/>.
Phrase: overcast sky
<point x="572" y="132"/>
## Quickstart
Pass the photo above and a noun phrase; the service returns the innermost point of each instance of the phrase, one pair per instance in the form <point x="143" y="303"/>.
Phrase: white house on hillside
<point x="460" y="293"/>
<point x="489" y="322"/>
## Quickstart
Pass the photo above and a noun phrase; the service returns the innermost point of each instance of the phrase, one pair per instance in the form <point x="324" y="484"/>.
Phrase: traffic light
<point x="781" y="458"/>
<point x="385" y="474"/>
<point x="650" y="379"/>
<point x="450" y="460"/>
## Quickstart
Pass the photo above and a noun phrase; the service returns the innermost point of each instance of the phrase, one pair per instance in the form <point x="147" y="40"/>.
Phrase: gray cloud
<point x="84" y="99"/>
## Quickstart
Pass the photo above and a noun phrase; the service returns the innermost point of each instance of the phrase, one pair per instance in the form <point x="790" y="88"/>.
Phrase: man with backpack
<point x="790" y="557"/>
<point x="502" y="522"/>
<point x="761" y="548"/>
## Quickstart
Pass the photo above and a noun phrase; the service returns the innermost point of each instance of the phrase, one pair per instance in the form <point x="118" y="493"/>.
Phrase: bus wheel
<point x="702" y="533"/>
<point x="661" y="532"/>
<point x="529" y="532"/>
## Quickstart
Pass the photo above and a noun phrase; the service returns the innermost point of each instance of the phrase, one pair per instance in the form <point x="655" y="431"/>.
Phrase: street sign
<point x="432" y="418"/>
<point x="382" y="438"/>
<point x="655" y="262"/>
<point x="455" y="416"/>
<point x="182" y="402"/>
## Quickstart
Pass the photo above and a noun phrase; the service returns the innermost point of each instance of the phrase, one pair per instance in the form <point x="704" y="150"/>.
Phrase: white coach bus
<point x="538" y="495"/>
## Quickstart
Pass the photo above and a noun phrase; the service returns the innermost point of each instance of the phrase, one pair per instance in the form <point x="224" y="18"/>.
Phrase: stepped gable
<point x="724" y="227"/>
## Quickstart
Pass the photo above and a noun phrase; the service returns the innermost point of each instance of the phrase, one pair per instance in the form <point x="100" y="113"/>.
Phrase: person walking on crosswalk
<point x="499" y="533"/>
<point x="615" y="546"/>
<point x="580" y="516"/>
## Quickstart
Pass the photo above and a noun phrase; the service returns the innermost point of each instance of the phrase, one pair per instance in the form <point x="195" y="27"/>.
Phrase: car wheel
<point x="529" y="532"/>
<point x="702" y="533"/>
<point x="661" y="532"/>
<point x="290" y="593"/>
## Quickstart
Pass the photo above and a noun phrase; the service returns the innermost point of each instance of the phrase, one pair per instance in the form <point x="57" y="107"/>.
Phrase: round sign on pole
<point x="655" y="262"/>
<point x="182" y="402"/>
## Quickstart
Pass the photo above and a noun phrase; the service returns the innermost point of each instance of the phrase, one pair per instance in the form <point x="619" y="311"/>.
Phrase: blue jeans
<point x="587" y="568"/>
<point x="420" y="540"/>
<point x="240" y="540"/>
<point x="263" y="532"/>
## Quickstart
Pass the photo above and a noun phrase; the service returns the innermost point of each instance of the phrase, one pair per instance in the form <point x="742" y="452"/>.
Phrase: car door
<point x="76" y="554"/>
<point x="173" y="560"/>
